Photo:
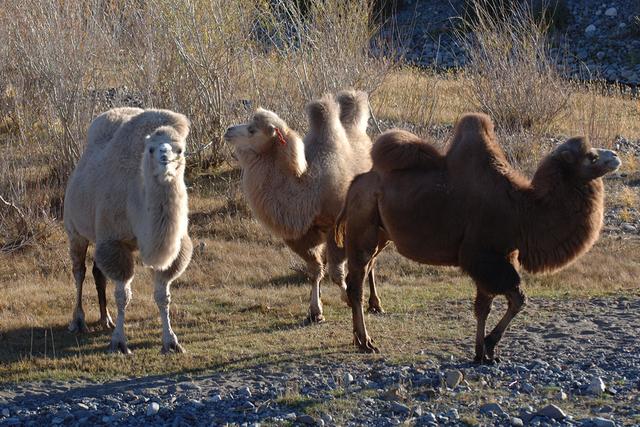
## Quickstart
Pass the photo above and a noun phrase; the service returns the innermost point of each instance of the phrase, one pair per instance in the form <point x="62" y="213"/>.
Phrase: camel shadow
<point x="294" y="278"/>
<point x="58" y="343"/>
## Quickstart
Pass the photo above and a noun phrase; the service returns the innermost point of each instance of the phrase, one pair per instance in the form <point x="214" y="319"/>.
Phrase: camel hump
<point x="354" y="109"/>
<point x="474" y="124"/>
<point x="398" y="149"/>
<point x="322" y="112"/>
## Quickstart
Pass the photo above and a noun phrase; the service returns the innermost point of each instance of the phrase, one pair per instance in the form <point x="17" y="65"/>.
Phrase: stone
<point x="590" y="30"/>
<point x="596" y="386"/>
<point x="602" y="422"/>
<point x="561" y="395"/>
<point x="600" y="55"/>
<point x="611" y="12"/>
<point x="6" y="413"/>
<point x="245" y="391"/>
<point x="491" y="408"/>
<point x="306" y="419"/>
<point x="629" y="228"/>
<point x="152" y="409"/>
<point x="453" y="378"/>
<point x="553" y="412"/>
<point x="452" y="414"/>
<point x="347" y="378"/>
<point x="215" y="398"/>
<point x="527" y="388"/>
<point x="400" y="408"/>
<point x="517" y="422"/>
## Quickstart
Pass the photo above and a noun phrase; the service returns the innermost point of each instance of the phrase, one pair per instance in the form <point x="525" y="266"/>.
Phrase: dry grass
<point x="242" y="301"/>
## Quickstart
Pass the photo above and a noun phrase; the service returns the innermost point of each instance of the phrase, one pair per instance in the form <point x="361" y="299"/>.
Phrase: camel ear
<point x="567" y="156"/>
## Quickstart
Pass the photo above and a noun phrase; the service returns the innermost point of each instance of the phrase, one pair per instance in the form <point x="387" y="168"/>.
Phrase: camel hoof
<point x="119" y="347"/>
<point x="366" y="346"/>
<point x="107" y="324"/>
<point x="78" y="326"/>
<point x="484" y="360"/>
<point x="172" y="348"/>
<point x="314" y="319"/>
<point x="375" y="309"/>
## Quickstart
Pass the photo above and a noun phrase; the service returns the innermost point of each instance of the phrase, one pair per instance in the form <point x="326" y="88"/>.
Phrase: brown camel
<point x="470" y="208"/>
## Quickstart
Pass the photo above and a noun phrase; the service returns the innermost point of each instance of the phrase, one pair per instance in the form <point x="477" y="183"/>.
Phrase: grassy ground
<point x="242" y="301"/>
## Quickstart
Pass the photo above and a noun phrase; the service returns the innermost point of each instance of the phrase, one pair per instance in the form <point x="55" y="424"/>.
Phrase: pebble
<point x="602" y="422"/>
<point x="400" y="408"/>
<point x="489" y="408"/>
<point x="596" y="386"/>
<point x="553" y="412"/>
<point x="6" y="413"/>
<point x="611" y="12"/>
<point x="561" y="395"/>
<point x="453" y="378"/>
<point x="306" y="419"/>
<point x="516" y="422"/>
<point x="152" y="409"/>
<point x="590" y="30"/>
<point x="347" y="378"/>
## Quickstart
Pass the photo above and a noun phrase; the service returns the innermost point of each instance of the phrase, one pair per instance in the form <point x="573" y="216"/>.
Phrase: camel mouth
<point x="610" y="160"/>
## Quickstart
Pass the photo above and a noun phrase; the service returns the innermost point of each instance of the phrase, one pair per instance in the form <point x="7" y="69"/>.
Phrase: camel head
<point x="164" y="154"/>
<point x="584" y="162"/>
<point x="264" y="131"/>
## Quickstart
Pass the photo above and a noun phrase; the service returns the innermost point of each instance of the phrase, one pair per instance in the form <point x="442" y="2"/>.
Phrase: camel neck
<point x="561" y="220"/>
<point x="165" y="217"/>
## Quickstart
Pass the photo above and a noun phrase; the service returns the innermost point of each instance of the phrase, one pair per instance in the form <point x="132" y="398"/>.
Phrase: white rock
<point x="453" y="378"/>
<point x="561" y="395"/>
<point x="590" y="30"/>
<point x="622" y="25"/>
<point x="602" y="422"/>
<point x="612" y="11"/>
<point x="152" y="409"/>
<point x="553" y="412"/>
<point x="6" y="412"/>
<point x="347" y="378"/>
<point x="517" y="422"/>
<point x="596" y="386"/>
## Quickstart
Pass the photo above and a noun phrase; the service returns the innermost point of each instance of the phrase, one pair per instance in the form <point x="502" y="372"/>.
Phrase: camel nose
<point x="164" y="149"/>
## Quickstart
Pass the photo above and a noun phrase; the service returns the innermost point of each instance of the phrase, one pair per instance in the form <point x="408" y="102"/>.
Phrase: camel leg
<point x="162" y="294"/>
<point x="115" y="260"/>
<point x="101" y="288"/>
<point x="494" y="275"/>
<point x="374" y="300"/>
<point x="482" y="308"/>
<point x="337" y="260"/>
<point x="309" y="248"/>
<point x="78" y="251"/>
<point x="516" y="300"/>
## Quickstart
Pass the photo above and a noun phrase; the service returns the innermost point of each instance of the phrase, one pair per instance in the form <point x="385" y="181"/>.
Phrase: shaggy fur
<point x="471" y="209"/>
<point x="297" y="188"/>
<point x="126" y="193"/>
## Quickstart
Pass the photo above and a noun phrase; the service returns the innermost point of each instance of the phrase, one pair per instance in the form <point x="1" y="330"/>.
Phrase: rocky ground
<point x="600" y="40"/>
<point x="571" y="363"/>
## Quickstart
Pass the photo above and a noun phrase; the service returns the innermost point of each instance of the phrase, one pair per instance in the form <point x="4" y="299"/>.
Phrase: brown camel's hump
<point x="398" y="149"/>
<point x="474" y="149"/>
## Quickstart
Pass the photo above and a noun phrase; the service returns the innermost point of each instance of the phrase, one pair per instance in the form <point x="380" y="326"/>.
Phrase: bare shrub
<point x="510" y="73"/>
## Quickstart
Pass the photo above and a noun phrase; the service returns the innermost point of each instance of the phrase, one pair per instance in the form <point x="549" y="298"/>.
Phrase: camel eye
<point x="179" y="151"/>
<point x="251" y="130"/>
<point x="593" y="158"/>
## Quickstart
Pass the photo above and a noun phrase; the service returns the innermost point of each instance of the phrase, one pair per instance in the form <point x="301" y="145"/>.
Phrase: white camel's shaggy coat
<point x="126" y="193"/>
<point x="296" y="187"/>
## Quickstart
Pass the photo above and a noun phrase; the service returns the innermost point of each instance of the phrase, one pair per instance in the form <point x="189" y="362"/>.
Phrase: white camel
<point x="127" y="193"/>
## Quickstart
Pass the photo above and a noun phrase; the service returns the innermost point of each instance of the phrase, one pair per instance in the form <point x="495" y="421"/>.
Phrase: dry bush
<point x="62" y="63"/>
<point x="511" y="76"/>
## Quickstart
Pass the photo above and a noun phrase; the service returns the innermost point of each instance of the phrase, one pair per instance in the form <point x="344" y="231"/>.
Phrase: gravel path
<point x="581" y="356"/>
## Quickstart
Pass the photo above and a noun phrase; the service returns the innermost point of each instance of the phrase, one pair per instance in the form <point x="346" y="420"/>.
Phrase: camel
<point x="469" y="208"/>
<point x="127" y="193"/>
<point x="296" y="187"/>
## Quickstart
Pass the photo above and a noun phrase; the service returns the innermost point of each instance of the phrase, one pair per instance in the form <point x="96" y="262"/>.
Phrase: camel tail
<point x="398" y="149"/>
<point x="340" y="229"/>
